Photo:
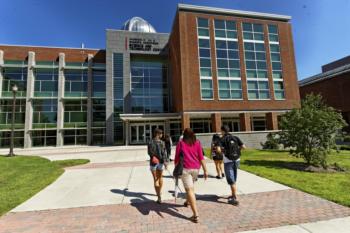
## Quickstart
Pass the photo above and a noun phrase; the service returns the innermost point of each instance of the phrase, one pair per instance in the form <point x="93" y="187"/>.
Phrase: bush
<point x="272" y="142"/>
<point x="344" y="147"/>
<point x="311" y="130"/>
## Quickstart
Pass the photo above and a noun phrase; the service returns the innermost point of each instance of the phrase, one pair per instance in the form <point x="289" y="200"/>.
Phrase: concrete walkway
<point x="115" y="193"/>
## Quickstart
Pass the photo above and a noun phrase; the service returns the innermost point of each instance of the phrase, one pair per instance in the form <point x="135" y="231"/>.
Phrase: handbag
<point x="155" y="160"/>
<point x="180" y="165"/>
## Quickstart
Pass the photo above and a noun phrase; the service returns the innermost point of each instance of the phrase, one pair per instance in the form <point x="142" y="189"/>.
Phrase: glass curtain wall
<point x="149" y="86"/>
<point x="118" y="97"/>
<point x="227" y="60"/>
<point x="255" y="61"/>
<point x="276" y="63"/>
<point x="98" y="105"/>
<point x="206" y="78"/>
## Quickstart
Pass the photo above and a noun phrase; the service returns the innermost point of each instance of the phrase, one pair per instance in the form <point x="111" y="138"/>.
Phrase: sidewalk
<point x="115" y="193"/>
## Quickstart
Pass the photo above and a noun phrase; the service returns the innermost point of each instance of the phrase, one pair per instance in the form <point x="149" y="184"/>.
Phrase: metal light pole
<point x="14" y="92"/>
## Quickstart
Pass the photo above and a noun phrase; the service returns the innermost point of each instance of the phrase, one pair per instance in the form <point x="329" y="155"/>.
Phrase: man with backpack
<point x="232" y="146"/>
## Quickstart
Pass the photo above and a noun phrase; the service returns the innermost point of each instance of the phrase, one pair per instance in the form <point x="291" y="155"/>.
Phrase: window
<point x="99" y="83"/>
<point x="149" y="86"/>
<point x="200" y="125"/>
<point x="118" y="96"/>
<point x="75" y="115"/>
<point x="44" y="137"/>
<point x="6" y="113"/>
<point x="227" y="60"/>
<point x="276" y="63"/>
<point x="46" y="82"/>
<point x="75" y="137"/>
<point x="175" y="131"/>
<point x="14" y="76"/>
<point x="75" y="83"/>
<point x="206" y="80"/>
<point x="44" y="113"/>
<point x="255" y="61"/>
<point x="232" y="123"/>
<point x="258" y="123"/>
<point x="5" y="137"/>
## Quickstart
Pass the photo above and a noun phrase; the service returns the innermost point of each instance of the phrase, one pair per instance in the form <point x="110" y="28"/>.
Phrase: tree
<point x="310" y="131"/>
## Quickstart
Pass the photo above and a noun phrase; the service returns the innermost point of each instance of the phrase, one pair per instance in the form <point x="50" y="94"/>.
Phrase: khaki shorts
<point x="189" y="176"/>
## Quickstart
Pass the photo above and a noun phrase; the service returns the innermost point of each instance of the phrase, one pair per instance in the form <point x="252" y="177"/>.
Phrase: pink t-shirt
<point x="193" y="155"/>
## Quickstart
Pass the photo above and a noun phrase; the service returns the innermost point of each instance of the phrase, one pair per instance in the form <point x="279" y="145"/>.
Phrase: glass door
<point x="137" y="134"/>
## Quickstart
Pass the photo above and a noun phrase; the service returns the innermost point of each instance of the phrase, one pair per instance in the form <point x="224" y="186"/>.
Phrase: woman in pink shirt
<point x="192" y="161"/>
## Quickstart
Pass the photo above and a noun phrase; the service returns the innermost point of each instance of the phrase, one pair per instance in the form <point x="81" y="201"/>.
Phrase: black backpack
<point x="232" y="149"/>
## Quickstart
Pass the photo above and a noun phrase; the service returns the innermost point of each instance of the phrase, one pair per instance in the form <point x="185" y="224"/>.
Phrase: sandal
<point x="194" y="219"/>
<point x="186" y="204"/>
<point x="159" y="201"/>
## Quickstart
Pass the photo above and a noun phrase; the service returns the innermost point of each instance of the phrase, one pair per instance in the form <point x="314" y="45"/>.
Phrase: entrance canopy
<point x="150" y="117"/>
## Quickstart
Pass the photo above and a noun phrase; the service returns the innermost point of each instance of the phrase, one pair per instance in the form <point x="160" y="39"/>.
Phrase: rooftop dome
<point x="137" y="24"/>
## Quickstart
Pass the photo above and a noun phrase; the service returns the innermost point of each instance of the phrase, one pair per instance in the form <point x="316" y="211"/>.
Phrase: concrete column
<point x="109" y="99"/>
<point x="271" y="121"/>
<point x="1" y="75"/>
<point x="89" y="100"/>
<point x="245" y="122"/>
<point x="185" y="121"/>
<point x="60" y="95"/>
<point x="29" y="95"/>
<point x="216" y="122"/>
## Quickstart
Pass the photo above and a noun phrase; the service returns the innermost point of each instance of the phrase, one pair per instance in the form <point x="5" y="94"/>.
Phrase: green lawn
<point x="272" y="165"/>
<point x="23" y="176"/>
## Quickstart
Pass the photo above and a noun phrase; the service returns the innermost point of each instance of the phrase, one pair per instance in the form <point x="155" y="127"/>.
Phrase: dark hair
<point x="225" y="128"/>
<point x="156" y="132"/>
<point x="216" y="137"/>
<point x="167" y="137"/>
<point x="189" y="137"/>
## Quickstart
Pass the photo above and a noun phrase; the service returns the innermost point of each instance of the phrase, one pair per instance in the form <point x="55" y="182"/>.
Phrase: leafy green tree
<point x="310" y="131"/>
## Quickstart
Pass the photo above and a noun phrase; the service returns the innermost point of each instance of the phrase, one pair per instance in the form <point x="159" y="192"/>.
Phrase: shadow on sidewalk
<point x="145" y="205"/>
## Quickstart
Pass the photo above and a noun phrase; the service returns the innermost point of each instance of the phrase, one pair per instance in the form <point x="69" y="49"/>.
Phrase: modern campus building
<point x="333" y="84"/>
<point x="216" y="66"/>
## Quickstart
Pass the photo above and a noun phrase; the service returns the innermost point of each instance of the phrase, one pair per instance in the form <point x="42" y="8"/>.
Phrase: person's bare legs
<point x="234" y="191"/>
<point x="191" y="198"/>
<point x="157" y="180"/>
<point x="159" y="174"/>
<point x="217" y="166"/>
<point x="221" y="166"/>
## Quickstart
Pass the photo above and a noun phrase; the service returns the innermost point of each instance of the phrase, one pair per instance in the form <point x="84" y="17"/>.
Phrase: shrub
<point x="311" y="130"/>
<point x="272" y="142"/>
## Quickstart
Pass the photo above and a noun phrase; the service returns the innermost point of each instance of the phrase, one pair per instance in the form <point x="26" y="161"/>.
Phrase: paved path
<point x="115" y="193"/>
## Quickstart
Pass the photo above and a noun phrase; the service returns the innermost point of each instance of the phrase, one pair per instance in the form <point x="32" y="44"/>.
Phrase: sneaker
<point x="218" y="177"/>
<point x="233" y="201"/>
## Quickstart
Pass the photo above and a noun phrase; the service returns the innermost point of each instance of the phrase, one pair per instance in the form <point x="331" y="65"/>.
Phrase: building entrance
<point x="141" y="133"/>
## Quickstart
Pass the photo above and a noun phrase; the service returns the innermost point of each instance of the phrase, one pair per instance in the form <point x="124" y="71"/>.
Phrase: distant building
<point x="333" y="84"/>
<point x="217" y="66"/>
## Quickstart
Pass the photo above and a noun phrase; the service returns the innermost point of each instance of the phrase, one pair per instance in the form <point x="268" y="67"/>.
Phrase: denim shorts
<point x="231" y="171"/>
<point x="158" y="167"/>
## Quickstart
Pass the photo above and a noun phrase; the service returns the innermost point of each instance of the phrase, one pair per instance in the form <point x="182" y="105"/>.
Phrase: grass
<point x="272" y="165"/>
<point x="21" y="177"/>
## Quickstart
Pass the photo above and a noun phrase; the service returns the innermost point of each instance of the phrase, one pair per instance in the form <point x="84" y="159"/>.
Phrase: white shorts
<point x="189" y="176"/>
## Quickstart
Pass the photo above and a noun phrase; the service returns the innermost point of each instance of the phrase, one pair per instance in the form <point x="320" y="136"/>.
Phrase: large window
<point x="75" y="115"/>
<point x="6" y="113"/>
<point x="200" y="125"/>
<point x="44" y="137"/>
<point x="232" y="123"/>
<point x="46" y="82"/>
<point x="227" y="60"/>
<point x="14" y="76"/>
<point x="99" y="83"/>
<point x="44" y="113"/>
<point x="175" y="131"/>
<point x="98" y="130"/>
<point x="118" y="97"/>
<point x="5" y="137"/>
<point x="255" y="61"/>
<point x="149" y="87"/>
<point x="75" y="82"/>
<point x="258" y="123"/>
<point x="206" y="80"/>
<point x="75" y="137"/>
<point x="276" y="62"/>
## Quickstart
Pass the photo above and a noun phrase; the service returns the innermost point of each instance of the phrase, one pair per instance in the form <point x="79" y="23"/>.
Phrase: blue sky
<point x="321" y="28"/>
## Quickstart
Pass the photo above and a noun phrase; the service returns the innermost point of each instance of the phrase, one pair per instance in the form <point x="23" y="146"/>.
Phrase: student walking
<point x="232" y="151"/>
<point x="158" y="159"/>
<point x="193" y="159"/>
<point x="217" y="155"/>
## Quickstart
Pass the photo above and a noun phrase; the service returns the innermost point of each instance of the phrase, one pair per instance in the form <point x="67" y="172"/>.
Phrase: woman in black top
<point x="158" y="159"/>
<point x="217" y="155"/>
<point x="168" y="143"/>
